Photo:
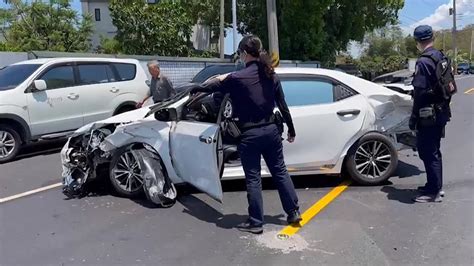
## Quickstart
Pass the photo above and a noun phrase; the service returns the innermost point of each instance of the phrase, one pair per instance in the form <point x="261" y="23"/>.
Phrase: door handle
<point x="207" y="140"/>
<point x="348" y="112"/>
<point x="114" y="90"/>
<point x="73" y="96"/>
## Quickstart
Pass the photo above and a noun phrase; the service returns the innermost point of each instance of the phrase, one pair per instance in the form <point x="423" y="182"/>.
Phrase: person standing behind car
<point x="160" y="86"/>
<point x="431" y="111"/>
<point x="254" y="91"/>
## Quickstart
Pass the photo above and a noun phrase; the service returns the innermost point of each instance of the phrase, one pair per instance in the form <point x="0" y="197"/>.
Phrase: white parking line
<point x="31" y="192"/>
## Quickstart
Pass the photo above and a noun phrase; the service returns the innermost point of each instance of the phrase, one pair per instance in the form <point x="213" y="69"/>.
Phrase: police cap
<point x="423" y="33"/>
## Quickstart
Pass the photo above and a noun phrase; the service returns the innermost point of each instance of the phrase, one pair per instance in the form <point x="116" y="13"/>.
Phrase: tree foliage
<point x="317" y="30"/>
<point x="463" y="41"/>
<point x="386" y="50"/>
<point x="161" y="29"/>
<point x="52" y="26"/>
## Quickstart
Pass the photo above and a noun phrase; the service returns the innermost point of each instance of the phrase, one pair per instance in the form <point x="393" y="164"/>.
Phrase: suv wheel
<point x="10" y="142"/>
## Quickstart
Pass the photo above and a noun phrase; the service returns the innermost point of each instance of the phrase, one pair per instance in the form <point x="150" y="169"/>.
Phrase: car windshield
<point x="11" y="76"/>
<point x="464" y="65"/>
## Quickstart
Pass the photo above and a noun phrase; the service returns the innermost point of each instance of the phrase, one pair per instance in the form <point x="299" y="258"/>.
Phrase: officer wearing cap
<point x="429" y="116"/>
<point x="255" y="91"/>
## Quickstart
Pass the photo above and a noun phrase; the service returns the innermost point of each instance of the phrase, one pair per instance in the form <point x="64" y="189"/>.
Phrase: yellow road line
<point x="469" y="91"/>
<point x="315" y="209"/>
<point x="31" y="192"/>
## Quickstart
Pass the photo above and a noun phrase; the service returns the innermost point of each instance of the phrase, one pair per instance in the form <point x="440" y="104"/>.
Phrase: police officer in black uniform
<point x="254" y="91"/>
<point x="429" y="115"/>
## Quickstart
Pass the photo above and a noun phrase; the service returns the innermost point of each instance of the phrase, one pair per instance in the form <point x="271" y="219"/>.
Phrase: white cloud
<point x="441" y="19"/>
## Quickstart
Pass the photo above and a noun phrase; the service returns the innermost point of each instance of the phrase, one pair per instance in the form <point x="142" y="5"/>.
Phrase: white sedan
<point x="343" y="124"/>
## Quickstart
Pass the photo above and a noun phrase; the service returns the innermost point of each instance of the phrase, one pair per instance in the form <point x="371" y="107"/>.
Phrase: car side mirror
<point x="40" y="85"/>
<point x="166" y="114"/>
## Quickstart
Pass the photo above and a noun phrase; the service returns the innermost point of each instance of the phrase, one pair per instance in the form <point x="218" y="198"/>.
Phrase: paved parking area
<point x="364" y="225"/>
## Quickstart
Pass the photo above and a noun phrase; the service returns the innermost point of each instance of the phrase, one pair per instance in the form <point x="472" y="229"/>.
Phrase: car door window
<point x="343" y="92"/>
<point x="94" y="74"/>
<point x="125" y="71"/>
<point x="59" y="77"/>
<point x="307" y="92"/>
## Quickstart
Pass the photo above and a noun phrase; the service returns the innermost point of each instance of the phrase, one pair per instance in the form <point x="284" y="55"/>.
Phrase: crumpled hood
<point x="123" y="118"/>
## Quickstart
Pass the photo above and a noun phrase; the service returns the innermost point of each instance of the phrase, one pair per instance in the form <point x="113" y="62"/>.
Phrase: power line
<point x="407" y="17"/>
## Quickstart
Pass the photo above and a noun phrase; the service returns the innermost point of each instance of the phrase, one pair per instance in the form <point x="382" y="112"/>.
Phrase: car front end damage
<point x="92" y="149"/>
<point x="81" y="157"/>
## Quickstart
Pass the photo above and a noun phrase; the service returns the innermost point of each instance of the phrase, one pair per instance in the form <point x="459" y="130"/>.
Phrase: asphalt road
<point x="365" y="225"/>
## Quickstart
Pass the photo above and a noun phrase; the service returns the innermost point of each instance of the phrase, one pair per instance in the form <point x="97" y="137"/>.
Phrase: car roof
<point x="362" y="86"/>
<point x="42" y="61"/>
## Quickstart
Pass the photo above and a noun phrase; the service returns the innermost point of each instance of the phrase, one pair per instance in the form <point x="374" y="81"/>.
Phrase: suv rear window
<point x="11" y="76"/>
<point x="125" y="71"/>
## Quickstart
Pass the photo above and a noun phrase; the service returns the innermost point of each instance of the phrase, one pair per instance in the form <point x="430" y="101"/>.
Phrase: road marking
<point x="470" y="91"/>
<point x="31" y="192"/>
<point x="314" y="210"/>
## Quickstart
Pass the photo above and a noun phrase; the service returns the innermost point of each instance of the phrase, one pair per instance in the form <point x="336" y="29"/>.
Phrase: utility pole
<point x="221" y="32"/>
<point x="234" y="23"/>
<point x="455" y="48"/>
<point x="273" y="32"/>
<point x="444" y="41"/>
<point x="472" y="40"/>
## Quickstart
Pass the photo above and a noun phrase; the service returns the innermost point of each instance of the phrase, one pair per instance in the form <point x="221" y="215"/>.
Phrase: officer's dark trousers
<point x="265" y="141"/>
<point x="428" y="144"/>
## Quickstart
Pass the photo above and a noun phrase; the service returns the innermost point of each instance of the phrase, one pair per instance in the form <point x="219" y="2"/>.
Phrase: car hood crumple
<point x="392" y="112"/>
<point x="123" y="118"/>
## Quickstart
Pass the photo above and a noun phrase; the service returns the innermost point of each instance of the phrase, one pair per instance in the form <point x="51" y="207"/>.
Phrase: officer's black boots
<point x="250" y="228"/>
<point x="294" y="217"/>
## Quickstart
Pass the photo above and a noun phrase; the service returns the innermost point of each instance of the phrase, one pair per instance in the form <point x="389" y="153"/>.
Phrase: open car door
<point x="196" y="152"/>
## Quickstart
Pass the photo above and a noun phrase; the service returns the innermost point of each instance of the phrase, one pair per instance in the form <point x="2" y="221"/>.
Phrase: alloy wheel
<point x="372" y="159"/>
<point x="127" y="172"/>
<point x="7" y="144"/>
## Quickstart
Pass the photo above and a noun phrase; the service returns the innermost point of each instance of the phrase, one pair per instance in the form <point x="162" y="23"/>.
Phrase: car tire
<point x="124" y="173"/>
<point x="372" y="160"/>
<point x="10" y="143"/>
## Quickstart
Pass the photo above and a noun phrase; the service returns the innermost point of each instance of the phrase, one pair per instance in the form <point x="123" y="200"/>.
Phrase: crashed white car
<point x="343" y="124"/>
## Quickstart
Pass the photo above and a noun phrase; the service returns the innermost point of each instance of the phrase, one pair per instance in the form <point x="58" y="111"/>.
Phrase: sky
<point x="414" y="13"/>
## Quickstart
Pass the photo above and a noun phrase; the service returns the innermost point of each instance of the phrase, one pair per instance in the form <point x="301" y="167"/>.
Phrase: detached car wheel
<point x="10" y="143"/>
<point x="372" y="159"/>
<point x="125" y="173"/>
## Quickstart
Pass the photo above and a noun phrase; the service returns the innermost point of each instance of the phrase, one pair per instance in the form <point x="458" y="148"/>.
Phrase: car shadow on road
<point x="42" y="148"/>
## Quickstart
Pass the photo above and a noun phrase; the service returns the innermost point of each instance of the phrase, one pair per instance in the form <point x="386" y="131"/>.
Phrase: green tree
<point x="109" y="46"/>
<point x="52" y="26"/>
<point x="317" y="30"/>
<point x="386" y="51"/>
<point x="160" y="29"/>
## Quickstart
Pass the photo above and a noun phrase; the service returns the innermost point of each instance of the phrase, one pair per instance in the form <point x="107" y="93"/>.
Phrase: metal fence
<point x="178" y="69"/>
